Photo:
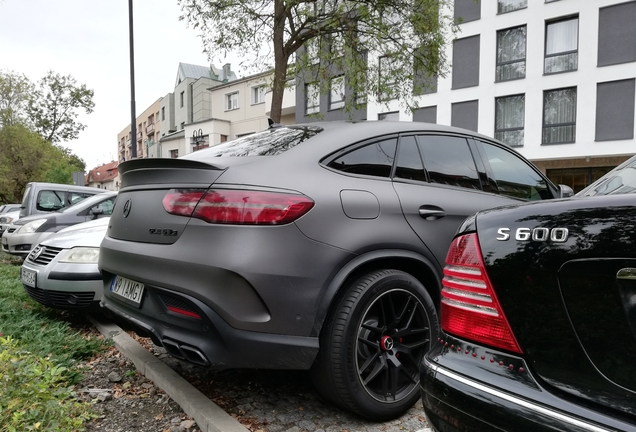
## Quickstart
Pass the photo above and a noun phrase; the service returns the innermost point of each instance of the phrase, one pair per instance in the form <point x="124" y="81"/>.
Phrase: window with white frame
<point x="312" y="98"/>
<point x="387" y="78"/>
<point x="559" y="116"/>
<point x="391" y="116"/>
<point x="510" y="119"/>
<point x="336" y="92"/>
<point x="511" y="54"/>
<point x="337" y="45"/>
<point x="258" y="94"/>
<point x="562" y="45"/>
<point x="231" y="101"/>
<point x="504" y="6"/>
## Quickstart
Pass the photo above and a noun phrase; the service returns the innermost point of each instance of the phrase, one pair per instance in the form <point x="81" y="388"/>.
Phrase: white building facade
<point x="553" y="79"/>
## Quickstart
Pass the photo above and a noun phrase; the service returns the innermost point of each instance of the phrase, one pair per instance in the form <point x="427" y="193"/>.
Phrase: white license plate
<point x="28" y="277"/>
<point x="128" y="289"/>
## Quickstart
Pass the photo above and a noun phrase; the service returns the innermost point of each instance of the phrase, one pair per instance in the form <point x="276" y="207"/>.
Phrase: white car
<point x="7" y="219"/>
<point x="61" y="272"/>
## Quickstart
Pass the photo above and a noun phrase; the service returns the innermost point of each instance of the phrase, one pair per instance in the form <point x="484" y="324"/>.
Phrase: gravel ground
<point x="261" y="400"/>
<point x="125" y="401"/>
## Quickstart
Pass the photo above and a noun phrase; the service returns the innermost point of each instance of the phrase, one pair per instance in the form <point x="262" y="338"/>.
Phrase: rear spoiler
<point x="167" y="171"/>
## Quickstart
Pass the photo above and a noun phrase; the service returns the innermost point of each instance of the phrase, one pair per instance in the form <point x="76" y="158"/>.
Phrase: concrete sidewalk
<point x="209" y="417"/>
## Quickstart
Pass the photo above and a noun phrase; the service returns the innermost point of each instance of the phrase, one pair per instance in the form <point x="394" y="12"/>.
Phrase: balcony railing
<point x="150" y="128"/>
<point x="139" y="136"/>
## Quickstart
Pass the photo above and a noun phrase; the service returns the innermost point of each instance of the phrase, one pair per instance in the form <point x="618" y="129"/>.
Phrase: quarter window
<point x="511" y="54"/>
<point x="448" y="160"/>
<point x="514" y="177"/>
<point x="373" y="159"/>
<point x="559" y="116"/>
<point x="562" y="45"/>
<point x="509" y="119"/>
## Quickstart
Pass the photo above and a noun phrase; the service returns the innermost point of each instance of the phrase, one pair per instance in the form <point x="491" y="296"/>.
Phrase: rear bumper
<point x="255" y="290"/>
<point x="210" y="341"/>
<point x="471" y="393"/>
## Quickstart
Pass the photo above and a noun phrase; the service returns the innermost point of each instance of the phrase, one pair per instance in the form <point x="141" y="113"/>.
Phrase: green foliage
<point x="53" y="107"/>
<point x="320" y="39"/>
<point x="24" y="156"/>
<point x="43" y="331"/>
<point x="15" y="91"/>
<point x="39" y="350"/>
<point x="34" y="394"/>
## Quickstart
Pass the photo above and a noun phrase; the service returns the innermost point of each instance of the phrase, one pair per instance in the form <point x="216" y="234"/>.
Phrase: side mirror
<point x="565" y="191"/>
<point x="96" y="212"/>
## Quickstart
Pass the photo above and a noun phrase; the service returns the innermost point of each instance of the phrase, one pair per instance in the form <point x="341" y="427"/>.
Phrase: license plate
<point x="128" y="289"/>
<point x="28" y="277"/>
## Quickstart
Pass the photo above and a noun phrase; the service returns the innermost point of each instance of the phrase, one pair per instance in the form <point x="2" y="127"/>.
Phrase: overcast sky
<point x="88" y="39"/>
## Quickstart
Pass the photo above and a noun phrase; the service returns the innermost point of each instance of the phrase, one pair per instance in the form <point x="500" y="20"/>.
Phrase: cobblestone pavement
<point x="278" y="401"/>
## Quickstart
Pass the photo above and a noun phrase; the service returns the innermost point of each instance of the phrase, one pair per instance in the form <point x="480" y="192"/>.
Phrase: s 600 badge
<point x="541" y="234"/>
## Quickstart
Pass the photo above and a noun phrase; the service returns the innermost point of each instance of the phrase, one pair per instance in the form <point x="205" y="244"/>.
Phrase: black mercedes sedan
<point x="538" y="317"/>
<point x="314" y="247"/>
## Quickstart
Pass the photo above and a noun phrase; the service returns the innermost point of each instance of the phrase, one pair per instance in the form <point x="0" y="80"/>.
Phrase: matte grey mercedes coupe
<point x="316" y="246"/>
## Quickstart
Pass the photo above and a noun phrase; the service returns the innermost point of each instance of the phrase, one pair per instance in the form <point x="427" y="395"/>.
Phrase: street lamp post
<point x="133" y="115"/>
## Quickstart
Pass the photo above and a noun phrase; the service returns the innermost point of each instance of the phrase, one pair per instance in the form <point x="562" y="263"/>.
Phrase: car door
<point x="439" y="184"/>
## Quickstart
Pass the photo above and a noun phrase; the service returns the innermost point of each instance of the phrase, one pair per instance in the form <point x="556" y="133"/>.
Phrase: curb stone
<point x="208" y="416"/>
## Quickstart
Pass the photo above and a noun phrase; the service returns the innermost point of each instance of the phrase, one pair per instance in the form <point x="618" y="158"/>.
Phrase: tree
<point x="54" y="104"/>
<point x="322" y="36"/>
<point x="26" y="157"/>
<point x="15" y="92"/>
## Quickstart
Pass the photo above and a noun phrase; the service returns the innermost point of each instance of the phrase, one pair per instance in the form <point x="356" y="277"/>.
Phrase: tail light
<point x="469" y="306"/>
<point x="233" y="206"/>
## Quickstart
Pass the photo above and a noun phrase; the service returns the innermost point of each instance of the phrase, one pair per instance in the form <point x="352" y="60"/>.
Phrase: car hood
<point x="88" y="234"/>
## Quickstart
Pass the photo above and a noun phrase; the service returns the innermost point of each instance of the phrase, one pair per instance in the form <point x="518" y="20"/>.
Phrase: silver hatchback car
<point x="62" y="272"/>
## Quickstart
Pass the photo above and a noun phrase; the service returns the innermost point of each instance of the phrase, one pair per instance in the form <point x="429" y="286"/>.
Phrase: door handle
<point x="431" y="212"/>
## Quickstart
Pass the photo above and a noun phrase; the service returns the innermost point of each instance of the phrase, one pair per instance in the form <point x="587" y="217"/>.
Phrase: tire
<point x="372" y="343"/>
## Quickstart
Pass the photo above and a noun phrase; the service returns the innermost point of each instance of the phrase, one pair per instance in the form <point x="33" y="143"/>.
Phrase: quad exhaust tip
<point x="185" y="352"/>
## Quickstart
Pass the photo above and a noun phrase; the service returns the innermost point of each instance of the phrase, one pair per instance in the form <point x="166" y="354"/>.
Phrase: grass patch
<point x="39" y="353"/>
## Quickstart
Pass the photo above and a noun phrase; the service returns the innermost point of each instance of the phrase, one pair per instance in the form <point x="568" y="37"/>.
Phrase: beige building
<point x="148" y="133"/>
<point x="236" y="108"/>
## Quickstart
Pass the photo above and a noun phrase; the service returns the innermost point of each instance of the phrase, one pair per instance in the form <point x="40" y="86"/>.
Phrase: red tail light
<point x="233" y="206"/>
<point x="469" y="306"/>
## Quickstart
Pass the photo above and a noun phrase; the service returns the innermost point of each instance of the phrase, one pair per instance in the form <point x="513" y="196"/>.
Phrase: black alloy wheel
<point x="373" y="342"/>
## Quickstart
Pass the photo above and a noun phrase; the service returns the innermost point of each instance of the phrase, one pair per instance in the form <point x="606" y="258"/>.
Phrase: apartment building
<point x="554" y="79"/>
<point x="148" y="133"/>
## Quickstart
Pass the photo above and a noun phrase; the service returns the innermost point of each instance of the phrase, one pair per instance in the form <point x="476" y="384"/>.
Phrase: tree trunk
<point x="280" y="61"/>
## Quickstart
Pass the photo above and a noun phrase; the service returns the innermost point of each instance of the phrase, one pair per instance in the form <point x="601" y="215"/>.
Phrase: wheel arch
<point x="413" y="263"/>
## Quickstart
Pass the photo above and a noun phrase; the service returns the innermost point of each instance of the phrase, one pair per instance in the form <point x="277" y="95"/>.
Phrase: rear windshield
<point x="268" y="143"/>
<point x="621" y="180"/>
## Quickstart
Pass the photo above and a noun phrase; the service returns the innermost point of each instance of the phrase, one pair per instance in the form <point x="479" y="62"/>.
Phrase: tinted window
<point x="268" y="143"/>
<point x="621" y="180"/>
<point x="514" y="177"/>
<point x="448" y="160"/>
<point x="373" y="159"/>
<point x="409" y="163"/>
<point x="75" y="197"/>
<point x="106" y="206"/>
